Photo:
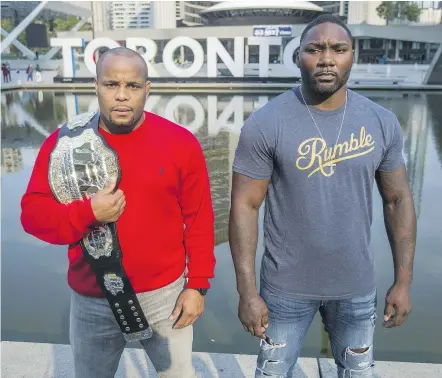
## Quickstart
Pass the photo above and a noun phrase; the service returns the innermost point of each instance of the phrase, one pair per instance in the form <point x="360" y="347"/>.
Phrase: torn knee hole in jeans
<point x="264" y="374"/>
<point x="358" y="359"/>
<point x="270" y="365"/>
<point x="358" y="350"/>
<point x="271" y="361"/>
<point x="268" y="343"/>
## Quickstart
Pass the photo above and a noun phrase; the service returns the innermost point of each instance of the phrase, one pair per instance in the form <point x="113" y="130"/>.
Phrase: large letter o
<point x="288" y="55"/>
<point x="198" y="54"/>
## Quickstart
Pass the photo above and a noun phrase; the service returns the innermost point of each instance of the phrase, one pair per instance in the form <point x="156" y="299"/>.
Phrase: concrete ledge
<point x="32" y="360"/>
<point x="388" y="369"/>
<point x="215" y="87"/>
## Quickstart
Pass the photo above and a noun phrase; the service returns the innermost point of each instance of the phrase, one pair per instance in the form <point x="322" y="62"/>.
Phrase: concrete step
<point x="35" y="360"/>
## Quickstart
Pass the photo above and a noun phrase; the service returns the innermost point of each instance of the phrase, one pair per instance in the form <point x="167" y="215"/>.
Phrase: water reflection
<point x="29" y="117"/>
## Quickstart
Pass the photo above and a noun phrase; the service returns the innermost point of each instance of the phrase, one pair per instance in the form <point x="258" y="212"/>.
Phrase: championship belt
<point x="81" y="164"/>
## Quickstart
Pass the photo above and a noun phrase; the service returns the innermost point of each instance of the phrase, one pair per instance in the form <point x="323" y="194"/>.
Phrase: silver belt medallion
<point x="81" y="166"/>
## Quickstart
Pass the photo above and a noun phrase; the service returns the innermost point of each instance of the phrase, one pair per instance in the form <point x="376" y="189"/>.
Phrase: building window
<point x="376" y="43"/>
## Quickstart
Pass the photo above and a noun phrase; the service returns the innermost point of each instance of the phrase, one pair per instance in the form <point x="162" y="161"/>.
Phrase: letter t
<point x="67" y="44"/>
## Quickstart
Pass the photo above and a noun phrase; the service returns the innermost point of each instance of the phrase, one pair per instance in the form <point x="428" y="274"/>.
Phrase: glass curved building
<point x="268" y="12"/>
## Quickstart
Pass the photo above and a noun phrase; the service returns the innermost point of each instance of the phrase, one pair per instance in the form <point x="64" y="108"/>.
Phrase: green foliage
<point x="8" y="25"/>
<point x="386" y="10"/>
<point x="402" y="10"/>
<point x="412" y="12"/>
<point x="68" y="23"/>
<point x="60" y="25"/>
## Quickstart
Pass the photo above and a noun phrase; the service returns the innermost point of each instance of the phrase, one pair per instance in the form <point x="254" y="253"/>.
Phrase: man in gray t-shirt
<point x="314" y="154"/>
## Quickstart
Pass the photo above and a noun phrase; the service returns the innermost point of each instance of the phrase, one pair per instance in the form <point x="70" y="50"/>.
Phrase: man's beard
<point x="120" y="128"/>
<point x="323" y="89"/>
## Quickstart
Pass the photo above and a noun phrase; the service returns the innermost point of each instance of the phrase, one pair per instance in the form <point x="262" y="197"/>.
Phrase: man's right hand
<point x="108" y="206"/>
<point x="253" y="314"/>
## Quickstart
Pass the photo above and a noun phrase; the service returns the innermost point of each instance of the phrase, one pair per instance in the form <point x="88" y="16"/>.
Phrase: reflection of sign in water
<point x="272" y="31"/>
<point x="193" y="112"/>
<point x="208" y="117"/>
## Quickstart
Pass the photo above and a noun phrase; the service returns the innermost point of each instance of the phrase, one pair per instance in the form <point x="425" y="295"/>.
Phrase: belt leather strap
<point x="118" y="290"/>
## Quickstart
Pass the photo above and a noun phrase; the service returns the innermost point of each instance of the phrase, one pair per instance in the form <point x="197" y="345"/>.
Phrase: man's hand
<point x="190" y="304"/>
<point x="253" y="314"/>
<point x="107" y="207"/>
<point x="398" y="297"/>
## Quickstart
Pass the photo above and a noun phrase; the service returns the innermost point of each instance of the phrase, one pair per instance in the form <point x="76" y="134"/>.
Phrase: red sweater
<point x="168" y="217"/>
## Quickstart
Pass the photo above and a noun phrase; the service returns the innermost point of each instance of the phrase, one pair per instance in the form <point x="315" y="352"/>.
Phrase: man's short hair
<point x="322" y="19"/>
<point x="121" y="51"/>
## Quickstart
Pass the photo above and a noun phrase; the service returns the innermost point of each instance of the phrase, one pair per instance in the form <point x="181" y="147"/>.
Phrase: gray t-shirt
<point x="318" y="217"/>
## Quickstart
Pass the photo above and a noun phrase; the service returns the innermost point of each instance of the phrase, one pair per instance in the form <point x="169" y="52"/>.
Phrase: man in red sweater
<point x="129" y="193"/>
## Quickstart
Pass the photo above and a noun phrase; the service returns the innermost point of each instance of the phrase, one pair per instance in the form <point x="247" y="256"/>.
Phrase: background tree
<point x="8" y="25"/>
<point x="412" y="12"/>
<point x="387" y="10"/>
<point x="401" y="10"/>
<point x="66" y="24"/>
<point x="59" y="25"/>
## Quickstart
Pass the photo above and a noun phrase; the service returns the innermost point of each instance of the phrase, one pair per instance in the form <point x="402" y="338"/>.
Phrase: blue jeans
<point x="98" y="343"/>
<point x="349" y="323"/>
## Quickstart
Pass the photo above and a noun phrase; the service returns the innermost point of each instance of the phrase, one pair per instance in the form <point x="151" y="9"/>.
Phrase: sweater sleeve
<point x="43" y="216"/>
<point x="196" y="204"/>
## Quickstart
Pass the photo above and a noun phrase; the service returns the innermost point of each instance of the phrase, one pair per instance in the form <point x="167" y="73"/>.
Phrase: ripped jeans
<point x="349" y="323"/>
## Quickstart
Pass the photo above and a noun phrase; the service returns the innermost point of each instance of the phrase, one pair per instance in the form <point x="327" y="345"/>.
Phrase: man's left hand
<point x="398" y="298"/>
<point x="190" y="304"/>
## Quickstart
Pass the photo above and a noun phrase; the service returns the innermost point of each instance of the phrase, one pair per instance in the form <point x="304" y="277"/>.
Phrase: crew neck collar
<point x="297" y="93"/>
